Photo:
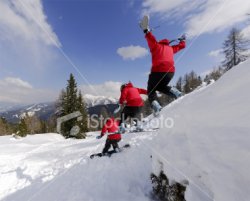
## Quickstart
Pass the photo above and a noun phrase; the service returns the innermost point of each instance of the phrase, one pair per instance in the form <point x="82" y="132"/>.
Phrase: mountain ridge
<point x="47" y="109"/>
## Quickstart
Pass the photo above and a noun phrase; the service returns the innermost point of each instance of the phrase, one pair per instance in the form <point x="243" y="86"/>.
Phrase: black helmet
<point x="123" y="86"/>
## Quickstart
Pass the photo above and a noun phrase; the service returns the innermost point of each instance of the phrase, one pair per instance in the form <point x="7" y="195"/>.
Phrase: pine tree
<point x="22" y="128"/>
<point x="214" y="75"/>
<point x="51" y="124"/>
<point x="5" y="127"/>
<point x="71" y="96"/>
<point x="83" y="123"/>
<point x="186" y="87"/>
<point x="60" y="103"/>
<point x="179" y="84"/>
<point x="199" y="81"/>
<point x="70" y="101"/>
<point x="192" y="80"/>
<point x="207" y="79"/>
<point x="234" y="48"/>
<point x="44" y="126"/>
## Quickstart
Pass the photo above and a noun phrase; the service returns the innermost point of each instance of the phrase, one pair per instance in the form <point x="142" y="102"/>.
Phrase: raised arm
<point x="180" y="46"/>
<point x="152" y="42"/>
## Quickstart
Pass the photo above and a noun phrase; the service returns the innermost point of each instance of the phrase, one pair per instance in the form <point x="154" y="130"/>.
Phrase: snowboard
<point x="109" y="153"/>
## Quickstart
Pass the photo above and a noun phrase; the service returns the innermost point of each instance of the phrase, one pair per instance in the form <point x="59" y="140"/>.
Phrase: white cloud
<point x="17" y="82"/>
<point x="132" y="52"/>
<point x="246" y="32"/>
<point x="215" y="53"/>
<point x="27" y="39"/>
<point x="162" y="6"/>
<point x="107" y="89"/>
<point x="218" y="15"/>
<point x="26" y="20"/>
<point x="200" y="16"/>
<point x="16" y="90"/>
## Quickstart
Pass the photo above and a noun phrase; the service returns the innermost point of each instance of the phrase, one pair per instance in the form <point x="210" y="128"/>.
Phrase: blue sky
<point x="100" y="42"/>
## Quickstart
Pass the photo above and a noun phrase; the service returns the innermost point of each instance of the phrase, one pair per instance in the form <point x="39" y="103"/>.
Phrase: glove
<point x="144" y="24"/>
<point x="182" y="38"/>
<point x="117" y="109"/>
<point x="98" y="137"/>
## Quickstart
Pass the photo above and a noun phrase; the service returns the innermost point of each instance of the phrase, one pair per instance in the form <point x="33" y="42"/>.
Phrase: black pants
<point x="158" y="81"/>
<point x="108" y="144"/>
<point x="132" y="112"/>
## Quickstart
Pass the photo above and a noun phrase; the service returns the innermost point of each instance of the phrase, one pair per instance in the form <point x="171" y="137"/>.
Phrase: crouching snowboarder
<point x="111" y="126"/>
<point x="163" y="69"/>
<point x="133" y="103"/>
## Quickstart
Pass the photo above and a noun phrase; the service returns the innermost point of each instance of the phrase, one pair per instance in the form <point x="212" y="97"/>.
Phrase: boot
<point x="176" y="92"/>
<point x="122" y="128"/>
<point x="156" y="107"/>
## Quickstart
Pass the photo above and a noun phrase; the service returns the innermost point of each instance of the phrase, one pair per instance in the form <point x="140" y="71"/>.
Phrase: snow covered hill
<point x="204" y="140"/>
<point x="209" y="144"/>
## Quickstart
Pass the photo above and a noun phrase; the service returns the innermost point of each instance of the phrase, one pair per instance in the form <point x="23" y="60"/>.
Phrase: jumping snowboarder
<point x="163" y="69"/>
<point x="132" y="101"/>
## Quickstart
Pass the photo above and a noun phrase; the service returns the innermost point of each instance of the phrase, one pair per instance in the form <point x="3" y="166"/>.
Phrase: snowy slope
<point x="208" y="145"/>
<point x="48" y="167"/>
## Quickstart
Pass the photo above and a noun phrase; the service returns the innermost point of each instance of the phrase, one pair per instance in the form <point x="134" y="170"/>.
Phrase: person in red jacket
<point x="111" y="126"/>
<point x="132" y="101"/>
<point x="163" y="69"/>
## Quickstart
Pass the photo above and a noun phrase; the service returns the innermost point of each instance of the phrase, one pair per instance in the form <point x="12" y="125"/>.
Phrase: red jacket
<point x="111" y="126"/>
<point x="162" y="53"/>
<point x="131" y="96"/>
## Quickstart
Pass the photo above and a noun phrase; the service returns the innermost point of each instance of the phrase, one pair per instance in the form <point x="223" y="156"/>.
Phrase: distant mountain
<point x="98" y="100"/>
<point x="45" y="110"/>
<point x="42" y="110"/>
<point x="4" y="106"/>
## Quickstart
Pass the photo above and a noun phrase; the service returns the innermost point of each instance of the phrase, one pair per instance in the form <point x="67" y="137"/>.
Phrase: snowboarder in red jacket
<point x="132" y="101"/>
<point x="111" y="126"/>
<point x="163" y="69"/>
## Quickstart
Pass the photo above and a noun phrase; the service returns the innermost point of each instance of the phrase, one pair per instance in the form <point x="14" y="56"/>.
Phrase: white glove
<point x="117" y="109"/>
<point x="144" y="24"/>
